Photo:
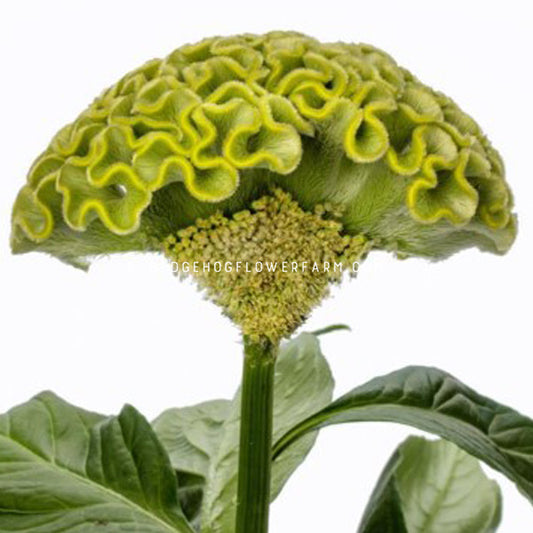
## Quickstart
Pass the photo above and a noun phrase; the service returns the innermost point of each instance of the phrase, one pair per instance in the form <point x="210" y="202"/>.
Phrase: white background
<point x="129" y="332"/>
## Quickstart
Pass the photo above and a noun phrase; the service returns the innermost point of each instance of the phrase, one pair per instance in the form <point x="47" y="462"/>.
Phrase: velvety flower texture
<point x="215" y="125"/>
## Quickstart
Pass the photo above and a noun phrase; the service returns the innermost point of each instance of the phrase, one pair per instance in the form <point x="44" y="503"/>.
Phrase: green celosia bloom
<point x="212" y="125"/>
<point x="217" y="125"/>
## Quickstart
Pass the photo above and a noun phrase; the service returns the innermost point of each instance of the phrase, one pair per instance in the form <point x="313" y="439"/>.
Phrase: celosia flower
<point x="215" y="127"/>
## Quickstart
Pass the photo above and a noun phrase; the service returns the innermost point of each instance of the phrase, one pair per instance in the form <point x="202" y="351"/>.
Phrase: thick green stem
<point x="255" y="455"/>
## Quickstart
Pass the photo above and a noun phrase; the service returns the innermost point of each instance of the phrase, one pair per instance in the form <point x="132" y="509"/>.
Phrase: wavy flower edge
<point x="209" y="111"/>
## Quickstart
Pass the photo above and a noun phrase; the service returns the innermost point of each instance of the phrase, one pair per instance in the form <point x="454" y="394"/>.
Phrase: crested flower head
<point x="214" y="127"/>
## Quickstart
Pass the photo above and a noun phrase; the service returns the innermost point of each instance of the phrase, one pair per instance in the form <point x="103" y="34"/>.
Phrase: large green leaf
<point x="434" y="401"/>
<point x="191" y="435"/>
<point x="303" y="384"/>
<point x="204" y="439"/>
<point x="432" y="487"/>
<point x="63" y="469"/>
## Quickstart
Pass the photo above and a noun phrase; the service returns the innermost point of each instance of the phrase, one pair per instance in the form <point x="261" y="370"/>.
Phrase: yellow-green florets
<point x="267" y="267"/>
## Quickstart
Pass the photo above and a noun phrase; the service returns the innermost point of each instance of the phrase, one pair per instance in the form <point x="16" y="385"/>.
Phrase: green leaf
<point x="191" y="435"/>
<point x="383" y="513"/>
<point x="190" y="496"/>
<point x="434" y="401"/>
<point x="303" y="384"/>
<point x="432" y="487"/>
<point x="199" y="441"/>
<point x="65" y="469"/>
<point x="331" y="329"/>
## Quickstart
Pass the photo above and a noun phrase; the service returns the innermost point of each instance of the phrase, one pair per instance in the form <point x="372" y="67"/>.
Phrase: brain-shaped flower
<point x="215" y="125"/>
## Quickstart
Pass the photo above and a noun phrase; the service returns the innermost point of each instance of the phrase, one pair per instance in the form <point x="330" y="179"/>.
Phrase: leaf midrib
<point x="94" y="484"/>
<point x="432" y="515"/>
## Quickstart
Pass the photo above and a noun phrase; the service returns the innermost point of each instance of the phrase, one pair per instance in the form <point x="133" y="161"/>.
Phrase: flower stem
<point x="255" y="454"/>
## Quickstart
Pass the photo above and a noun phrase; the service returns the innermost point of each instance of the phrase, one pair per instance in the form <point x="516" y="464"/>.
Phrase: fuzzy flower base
<point x="269" y="266"/>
